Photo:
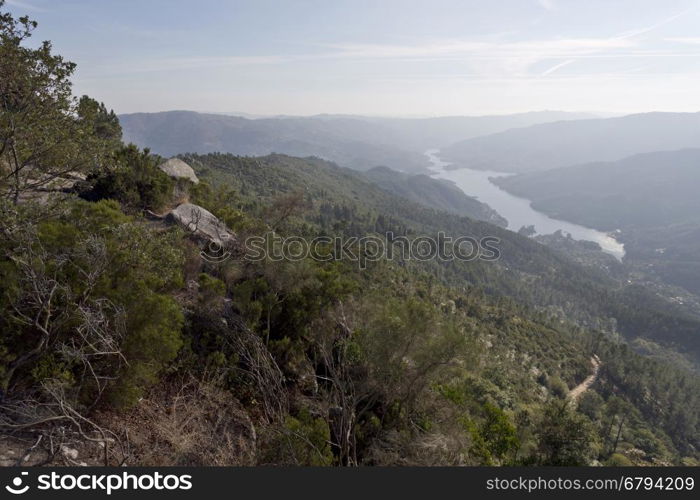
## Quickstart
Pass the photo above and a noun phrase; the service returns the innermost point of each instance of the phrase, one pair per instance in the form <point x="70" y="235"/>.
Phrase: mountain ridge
<point x="559" y="144"/>
<point x="352" y="141"/>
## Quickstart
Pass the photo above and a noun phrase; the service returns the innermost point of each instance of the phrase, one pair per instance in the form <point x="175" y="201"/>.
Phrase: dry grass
<point x="188" y="423"/>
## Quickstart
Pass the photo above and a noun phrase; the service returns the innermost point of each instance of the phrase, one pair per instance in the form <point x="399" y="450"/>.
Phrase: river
<point x="517" y="210"/>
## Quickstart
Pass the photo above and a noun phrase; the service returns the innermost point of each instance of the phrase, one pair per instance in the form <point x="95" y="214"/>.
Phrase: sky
<point x="382" y="57"/>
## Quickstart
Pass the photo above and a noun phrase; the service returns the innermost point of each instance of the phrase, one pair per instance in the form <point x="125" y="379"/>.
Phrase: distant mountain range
<point x="357" y="142"/>
<point x="419" y="134"/>
<point x="558" y="144"/>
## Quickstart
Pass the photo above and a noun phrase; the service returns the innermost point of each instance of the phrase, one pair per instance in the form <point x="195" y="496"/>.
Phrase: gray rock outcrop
<point x="202" y="224"/>
<point x="178" y="169"/>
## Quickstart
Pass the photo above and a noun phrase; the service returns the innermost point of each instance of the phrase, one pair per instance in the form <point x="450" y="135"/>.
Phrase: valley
<point x="649" y="199"/>
<point x="517" y="211"/>
<point x="138" y="329"/>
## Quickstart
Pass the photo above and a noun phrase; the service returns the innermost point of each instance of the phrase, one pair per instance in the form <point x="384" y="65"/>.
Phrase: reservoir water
<point x="516" y="210"/>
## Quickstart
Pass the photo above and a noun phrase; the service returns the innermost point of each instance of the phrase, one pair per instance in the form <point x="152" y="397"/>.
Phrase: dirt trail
<point x="577" y="391"/>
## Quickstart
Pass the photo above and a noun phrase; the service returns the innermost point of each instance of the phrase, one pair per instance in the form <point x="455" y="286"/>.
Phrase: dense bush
<point x="133" y="179"/>
<point x="97" y="283"/>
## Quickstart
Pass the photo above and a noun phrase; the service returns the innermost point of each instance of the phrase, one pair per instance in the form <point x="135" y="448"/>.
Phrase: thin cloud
<point x="642" y="31"/>
<point x="557" y="67"/>
<point x="486" y="57"/>
<point x="483" y="59"/>
<point x="492" y="58"/>
<point x="539" y="48"/>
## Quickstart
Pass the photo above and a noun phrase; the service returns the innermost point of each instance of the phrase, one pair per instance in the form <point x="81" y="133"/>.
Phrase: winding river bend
<point x="518" y="211"/>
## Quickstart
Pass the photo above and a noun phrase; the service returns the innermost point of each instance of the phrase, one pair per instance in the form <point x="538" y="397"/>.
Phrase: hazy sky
<point x="427" y="57"/>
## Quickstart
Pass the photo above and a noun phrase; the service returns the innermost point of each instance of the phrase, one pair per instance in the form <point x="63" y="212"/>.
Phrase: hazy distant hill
<point x="639" y="191"/>
<point x="426" y="133"/>
<point x="651" y="197"/>
<point x="435" y="193"/>
<point x="565" y="143"/>
<point x="351" y="141"/>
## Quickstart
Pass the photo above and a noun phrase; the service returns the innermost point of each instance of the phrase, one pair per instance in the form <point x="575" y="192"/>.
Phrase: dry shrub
<point x="425" y="449"/>
<point x="189" y="423"/>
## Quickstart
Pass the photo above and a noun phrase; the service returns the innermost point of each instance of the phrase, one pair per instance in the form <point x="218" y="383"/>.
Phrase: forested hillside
<point x="136" y="329"/>
<point x="435" y="193"/>
<point x="526" y="270"/>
